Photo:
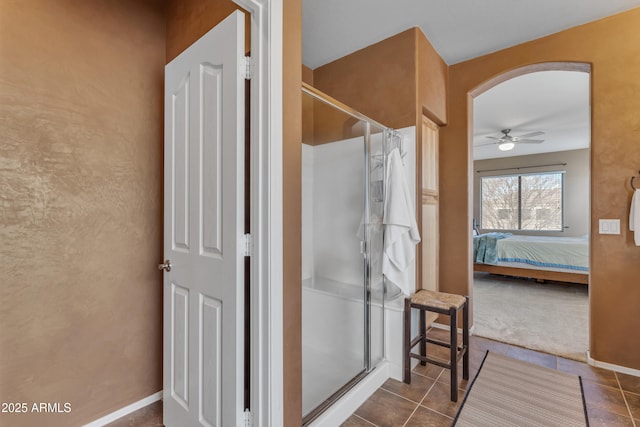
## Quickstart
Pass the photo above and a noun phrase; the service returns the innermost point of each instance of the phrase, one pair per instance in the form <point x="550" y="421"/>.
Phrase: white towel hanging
<point x="400" y="227"/>
<point x="634" y="216"/>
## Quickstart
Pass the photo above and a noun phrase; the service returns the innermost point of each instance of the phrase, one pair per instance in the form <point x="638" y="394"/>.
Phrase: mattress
<point x="569" y="253"/>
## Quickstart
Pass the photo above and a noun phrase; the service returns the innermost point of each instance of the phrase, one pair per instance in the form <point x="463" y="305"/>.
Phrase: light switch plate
<point x="609" y="226"/>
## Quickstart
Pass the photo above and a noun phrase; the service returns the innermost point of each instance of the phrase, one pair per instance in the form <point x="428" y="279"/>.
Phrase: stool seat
<point x="440" y="300"/>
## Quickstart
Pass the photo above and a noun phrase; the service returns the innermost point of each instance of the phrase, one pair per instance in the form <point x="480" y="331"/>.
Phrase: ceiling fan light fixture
<point x="506" y="146"/>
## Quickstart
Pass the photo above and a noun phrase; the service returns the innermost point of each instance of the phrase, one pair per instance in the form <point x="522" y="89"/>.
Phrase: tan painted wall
<point x="393" y="81"/>
<point x="612" y="47"/>
<point x="379" y="81"/>
<point x="81" y="211"/>
<point x="307" y="75"/>
<point x="432" y="84"/>
<point x="576" y="184"/>
<point x="323" y="123"/>
<point x="292" y="214"/>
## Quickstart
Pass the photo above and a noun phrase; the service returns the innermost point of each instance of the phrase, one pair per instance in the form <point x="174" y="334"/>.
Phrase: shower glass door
<point x="337" y="234"/>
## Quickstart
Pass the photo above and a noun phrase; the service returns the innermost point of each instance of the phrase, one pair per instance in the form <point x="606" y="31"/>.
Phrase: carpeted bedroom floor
<point x="550" y="317"/>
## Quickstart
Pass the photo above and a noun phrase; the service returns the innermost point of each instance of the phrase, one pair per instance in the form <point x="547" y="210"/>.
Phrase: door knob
<point x="166" y="265"/>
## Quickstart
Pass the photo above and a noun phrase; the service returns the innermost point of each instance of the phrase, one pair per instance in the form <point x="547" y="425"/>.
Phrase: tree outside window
<point x="522" y="202"/>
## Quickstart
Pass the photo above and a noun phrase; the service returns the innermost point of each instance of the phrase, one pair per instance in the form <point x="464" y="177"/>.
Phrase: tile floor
<point x="612" y="399"/>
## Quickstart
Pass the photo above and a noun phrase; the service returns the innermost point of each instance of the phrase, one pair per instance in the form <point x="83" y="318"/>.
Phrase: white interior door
<point x="203" y="230"/>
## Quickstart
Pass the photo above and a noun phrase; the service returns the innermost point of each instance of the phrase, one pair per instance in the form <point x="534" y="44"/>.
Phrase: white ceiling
<point x="556" y="103"/>
<point x="457" y="29"/>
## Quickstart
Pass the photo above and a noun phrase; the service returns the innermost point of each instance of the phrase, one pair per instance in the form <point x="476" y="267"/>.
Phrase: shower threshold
<point x="315" y="413"/>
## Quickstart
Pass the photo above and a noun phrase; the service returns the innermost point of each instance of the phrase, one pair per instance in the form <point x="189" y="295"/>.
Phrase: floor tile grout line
<point x="411" y="415"/>
<point x="427" y="394"/>
<point x="423" y="397"/>
<point x="431" y="378"/>
<point x="365" y="420"/>
<point x="436" y="411"/>
<point x="429" y="409"/>
<point x="409" y="400"/>
<point x="624" y="398"/>
<point x="633" y="421"/>
<point x="405" y="398"/>
<point x="432" y="409"/>
<point x="595" y="382"/>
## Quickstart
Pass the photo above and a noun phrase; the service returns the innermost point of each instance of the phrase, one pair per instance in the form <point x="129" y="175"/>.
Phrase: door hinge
<point x="247" y="419"/>
<point x="246" y="67"/>
<point x="247" y="245"/>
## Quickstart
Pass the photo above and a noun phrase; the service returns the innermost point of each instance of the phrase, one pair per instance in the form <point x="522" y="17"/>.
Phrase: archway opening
<point x="531" y="172"/>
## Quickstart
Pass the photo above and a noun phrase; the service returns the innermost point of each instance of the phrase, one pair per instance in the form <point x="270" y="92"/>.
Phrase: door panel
<point x="180" y="340"/>
<point x="204" y="223"/>
<point x="211" y="358"/>
<point x="180" y="166"/>
<point x="211" y="118"/>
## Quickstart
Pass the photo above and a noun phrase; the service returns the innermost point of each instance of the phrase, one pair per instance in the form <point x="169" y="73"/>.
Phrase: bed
<point x="564" y="259"/>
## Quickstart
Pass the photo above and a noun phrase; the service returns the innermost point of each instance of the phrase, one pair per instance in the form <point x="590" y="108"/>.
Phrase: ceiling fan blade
<point x="496" y="138"/>
<point x="486" y="143"/>
<point x="530" y="141"/>
<point x="529" y="135"/>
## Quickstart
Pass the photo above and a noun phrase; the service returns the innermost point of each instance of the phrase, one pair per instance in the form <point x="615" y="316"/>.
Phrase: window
<point x="522" y="202"/>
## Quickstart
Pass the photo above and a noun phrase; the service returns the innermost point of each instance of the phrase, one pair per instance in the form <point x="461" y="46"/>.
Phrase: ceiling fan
<point x="506" y="142"/>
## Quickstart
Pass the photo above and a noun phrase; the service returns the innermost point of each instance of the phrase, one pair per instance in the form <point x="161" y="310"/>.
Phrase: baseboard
<point x="109" y="418"/>
<point x="447" y="328"/>
<point x="612" y="367"/>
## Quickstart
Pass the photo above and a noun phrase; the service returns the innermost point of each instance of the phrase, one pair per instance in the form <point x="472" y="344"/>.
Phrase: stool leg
<point x="465" y="339"/>
<point x="423" y="336"/>
<point x="406" y="348"/>
<point x="453" y="315"/>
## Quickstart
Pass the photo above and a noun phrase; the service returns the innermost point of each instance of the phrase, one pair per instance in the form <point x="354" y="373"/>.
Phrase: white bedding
<point x="570" y="253"/>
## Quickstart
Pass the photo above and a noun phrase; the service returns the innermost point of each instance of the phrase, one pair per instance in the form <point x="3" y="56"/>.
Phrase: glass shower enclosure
<point x="342" y="286"/>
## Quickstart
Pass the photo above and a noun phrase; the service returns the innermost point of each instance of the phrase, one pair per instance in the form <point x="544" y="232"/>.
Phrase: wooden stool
<point x="442" y="303"/>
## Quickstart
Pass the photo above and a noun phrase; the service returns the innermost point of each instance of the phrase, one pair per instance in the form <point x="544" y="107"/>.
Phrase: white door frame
<point x="266" y="211"/>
